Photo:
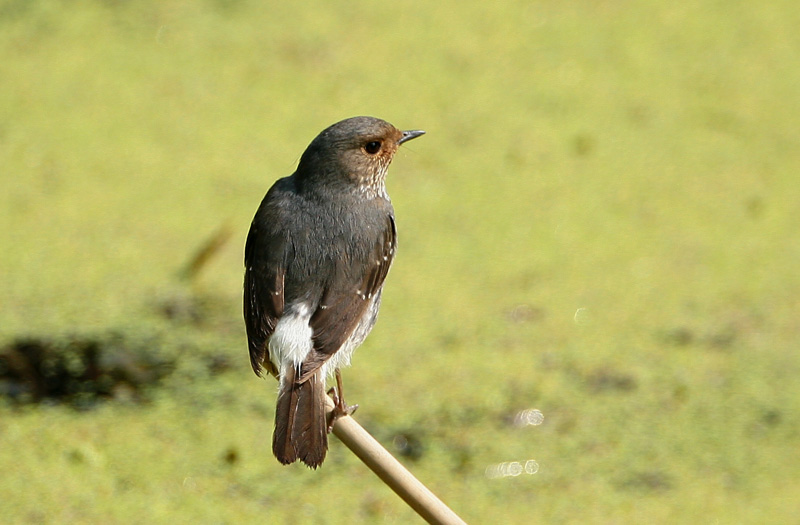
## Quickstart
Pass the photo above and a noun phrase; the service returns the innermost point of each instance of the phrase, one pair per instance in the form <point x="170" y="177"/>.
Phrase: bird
<point x="317" y="253"/>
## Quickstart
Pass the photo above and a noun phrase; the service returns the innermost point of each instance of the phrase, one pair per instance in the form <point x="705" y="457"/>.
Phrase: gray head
<point x="354" y="154"/>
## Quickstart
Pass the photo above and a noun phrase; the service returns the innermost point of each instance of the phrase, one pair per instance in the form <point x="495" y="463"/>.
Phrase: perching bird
<point x="318" y="251"/>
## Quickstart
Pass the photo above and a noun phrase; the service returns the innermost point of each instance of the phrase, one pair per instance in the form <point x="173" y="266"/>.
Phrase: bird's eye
<point x="373" y="147"/>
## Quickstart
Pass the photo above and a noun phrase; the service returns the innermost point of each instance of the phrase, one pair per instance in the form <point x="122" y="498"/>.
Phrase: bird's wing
<point x="341" y="309"/>
<point x="263" y="295"/>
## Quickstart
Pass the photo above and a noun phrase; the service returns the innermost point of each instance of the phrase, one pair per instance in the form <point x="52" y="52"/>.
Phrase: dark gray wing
<point x="342" y="307"/>
<point x="264" y="274"/>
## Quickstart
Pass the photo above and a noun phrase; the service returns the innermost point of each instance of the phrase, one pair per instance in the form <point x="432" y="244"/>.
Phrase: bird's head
<point x="353" y="154"/>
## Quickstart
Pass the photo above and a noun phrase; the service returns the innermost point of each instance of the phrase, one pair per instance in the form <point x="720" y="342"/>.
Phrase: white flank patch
<point x="339" y="359"/>
<point x="291" y="341"/>
<point x="342" y="357"/>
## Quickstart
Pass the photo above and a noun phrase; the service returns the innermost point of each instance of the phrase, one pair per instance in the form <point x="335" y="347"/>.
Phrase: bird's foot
<point x="340" y="408"/>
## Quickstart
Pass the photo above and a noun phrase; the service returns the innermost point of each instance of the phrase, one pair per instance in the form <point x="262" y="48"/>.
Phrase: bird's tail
<point x="301" y="428"/>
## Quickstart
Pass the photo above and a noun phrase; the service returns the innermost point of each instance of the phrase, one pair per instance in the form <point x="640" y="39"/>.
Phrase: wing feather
<point x="340" y="311"/>
<point x="264" y="279"/>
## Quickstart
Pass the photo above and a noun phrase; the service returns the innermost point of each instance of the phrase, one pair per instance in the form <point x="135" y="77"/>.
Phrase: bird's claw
<point x="340" y="408"/>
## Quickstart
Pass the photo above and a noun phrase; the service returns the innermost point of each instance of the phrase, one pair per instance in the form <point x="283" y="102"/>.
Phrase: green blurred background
<point x="601" y="223"/>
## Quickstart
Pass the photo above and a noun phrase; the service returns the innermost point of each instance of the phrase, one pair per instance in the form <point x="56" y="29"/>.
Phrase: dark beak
<point x="408" y="135"/>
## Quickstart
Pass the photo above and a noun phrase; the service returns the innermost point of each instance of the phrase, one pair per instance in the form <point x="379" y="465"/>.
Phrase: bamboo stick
<point x="392" y="472"/>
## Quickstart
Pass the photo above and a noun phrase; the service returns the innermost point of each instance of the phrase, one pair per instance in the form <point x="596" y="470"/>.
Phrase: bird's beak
<point x="408" y="135"/>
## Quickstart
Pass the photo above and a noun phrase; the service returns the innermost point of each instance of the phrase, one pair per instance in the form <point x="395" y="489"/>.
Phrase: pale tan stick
<point x="399" y="479"/>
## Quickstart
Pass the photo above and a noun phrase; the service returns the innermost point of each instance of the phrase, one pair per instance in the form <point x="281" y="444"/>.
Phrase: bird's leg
<point x="340" y="408"/>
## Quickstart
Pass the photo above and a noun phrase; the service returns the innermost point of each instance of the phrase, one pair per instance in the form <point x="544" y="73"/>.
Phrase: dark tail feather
<point x="301" y="430"/>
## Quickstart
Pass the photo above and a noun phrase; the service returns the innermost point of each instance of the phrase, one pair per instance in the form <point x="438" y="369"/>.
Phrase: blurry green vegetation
<point x="601" y="223"/>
